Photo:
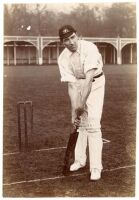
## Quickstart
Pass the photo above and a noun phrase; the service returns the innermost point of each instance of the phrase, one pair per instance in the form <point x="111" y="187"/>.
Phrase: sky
<point x="67" y="7"/>
<point x="64" y="7"/>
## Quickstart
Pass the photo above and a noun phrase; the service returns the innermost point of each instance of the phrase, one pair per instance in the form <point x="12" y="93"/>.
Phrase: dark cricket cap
<point x="65" y="31"/>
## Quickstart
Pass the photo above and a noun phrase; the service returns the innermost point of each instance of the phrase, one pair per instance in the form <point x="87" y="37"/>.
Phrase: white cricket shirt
<point x="74" y="65"/>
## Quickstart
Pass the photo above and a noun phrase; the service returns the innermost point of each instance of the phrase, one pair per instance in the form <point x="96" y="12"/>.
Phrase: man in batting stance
<point x="80" y="64"/>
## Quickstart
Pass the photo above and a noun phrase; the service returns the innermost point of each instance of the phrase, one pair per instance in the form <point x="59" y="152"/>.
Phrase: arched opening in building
<point x="51" y="52"/>
<point x="108" y="52"/>
<point x="129" y="54"/>
<point x="19" y="53"/>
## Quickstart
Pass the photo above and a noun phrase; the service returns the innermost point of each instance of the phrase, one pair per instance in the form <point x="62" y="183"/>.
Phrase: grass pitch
<point x="42" y="85"/>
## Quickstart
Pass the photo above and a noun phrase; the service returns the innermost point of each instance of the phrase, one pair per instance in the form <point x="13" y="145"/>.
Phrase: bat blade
<point x="69" y="155"/>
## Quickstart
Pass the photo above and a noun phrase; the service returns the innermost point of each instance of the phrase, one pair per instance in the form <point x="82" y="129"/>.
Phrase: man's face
<point x="71" y="42"/>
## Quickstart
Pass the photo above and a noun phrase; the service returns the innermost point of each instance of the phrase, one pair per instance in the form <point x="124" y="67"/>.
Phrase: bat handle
<point x="75" y="127"/>
<point x="79" y="112"/>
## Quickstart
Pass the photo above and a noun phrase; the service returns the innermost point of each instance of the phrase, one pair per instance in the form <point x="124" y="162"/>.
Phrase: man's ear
<point x="79" y="36"/>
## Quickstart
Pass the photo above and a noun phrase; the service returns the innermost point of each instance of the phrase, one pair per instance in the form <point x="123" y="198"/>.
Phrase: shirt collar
<point x="79" y="47"/>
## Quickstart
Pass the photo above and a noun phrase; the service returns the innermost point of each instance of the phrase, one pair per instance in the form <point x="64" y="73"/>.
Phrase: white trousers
<point x="90" y="127"/>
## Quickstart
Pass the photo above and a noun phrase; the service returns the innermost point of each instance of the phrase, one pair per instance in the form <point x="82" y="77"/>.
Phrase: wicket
<point x="24" y="104"/>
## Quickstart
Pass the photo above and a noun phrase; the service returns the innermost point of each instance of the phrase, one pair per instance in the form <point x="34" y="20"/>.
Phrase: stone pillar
<point x="40" y="55"/>
<point x="49" y="55"/>
<point x="131" y="54"/>
<point x="57" y="51"/>
<point x="29" y="55"/>
<point x="119" y="55"/>
<point x="37" y="56"/>
<point x="14" y="53"/>
<point x="104" y="56"/>
<point x="113" y="55"/>
<point x="7" y="55"/>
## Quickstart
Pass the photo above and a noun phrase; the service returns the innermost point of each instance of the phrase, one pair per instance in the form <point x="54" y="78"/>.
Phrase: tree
<point x="84" y="19"/>
<point x="7" y="20"/>
<point x="20" y="19"/>
<point x="120" y="20"/>
<point x="89" y="20"/>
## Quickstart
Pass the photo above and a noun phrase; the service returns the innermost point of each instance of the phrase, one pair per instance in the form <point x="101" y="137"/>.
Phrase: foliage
<point x="90" y="21"/>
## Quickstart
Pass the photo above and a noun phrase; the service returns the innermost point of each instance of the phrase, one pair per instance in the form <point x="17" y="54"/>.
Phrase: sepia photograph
<point x="69" y="99"/>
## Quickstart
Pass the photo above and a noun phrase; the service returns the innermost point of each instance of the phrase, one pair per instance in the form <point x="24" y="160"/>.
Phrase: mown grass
<point x="52" y="127"/>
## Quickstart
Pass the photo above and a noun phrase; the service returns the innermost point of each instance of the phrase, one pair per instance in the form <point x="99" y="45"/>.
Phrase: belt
<point x="97" y="76"/>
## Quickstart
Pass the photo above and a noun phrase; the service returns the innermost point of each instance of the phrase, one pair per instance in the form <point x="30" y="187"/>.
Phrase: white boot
<point x="95" y="174"/>
<point x="75" y="166"/>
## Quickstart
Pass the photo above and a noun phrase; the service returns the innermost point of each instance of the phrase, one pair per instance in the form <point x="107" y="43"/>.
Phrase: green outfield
<point x="38" y="172"/>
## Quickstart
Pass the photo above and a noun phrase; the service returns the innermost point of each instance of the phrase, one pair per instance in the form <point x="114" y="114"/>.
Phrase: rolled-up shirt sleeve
<point x="65" y="72"/>
<point x="93" y="59"/>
